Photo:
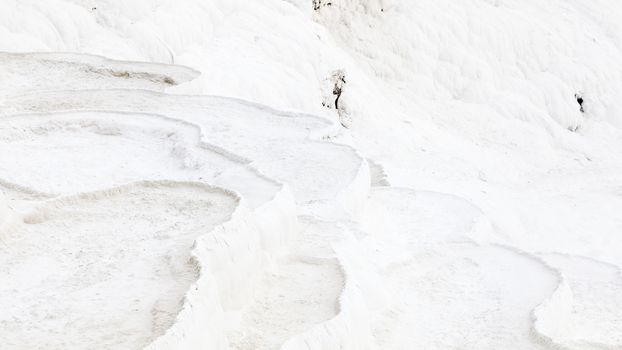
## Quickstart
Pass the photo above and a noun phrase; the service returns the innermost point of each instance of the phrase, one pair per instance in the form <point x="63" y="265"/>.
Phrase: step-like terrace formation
<point x="169" y="221"/>
<point x="69" y="155"/>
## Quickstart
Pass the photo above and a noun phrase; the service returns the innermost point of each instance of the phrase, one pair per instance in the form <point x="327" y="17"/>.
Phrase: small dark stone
<point x="580" y="102"/>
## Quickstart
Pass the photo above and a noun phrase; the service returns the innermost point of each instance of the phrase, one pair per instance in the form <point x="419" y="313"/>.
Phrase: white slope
<point x="54" y="71"/>
<point x="444" y="289"/>
<point x="107" y="269"/>
<point x="475" y="99"/>
<point x="122" y="149"/>
<point x="584" y="311"/>
<point x="273" y="141"/>
<point x="292" y="298"/>
<point x="104" y="138"/>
